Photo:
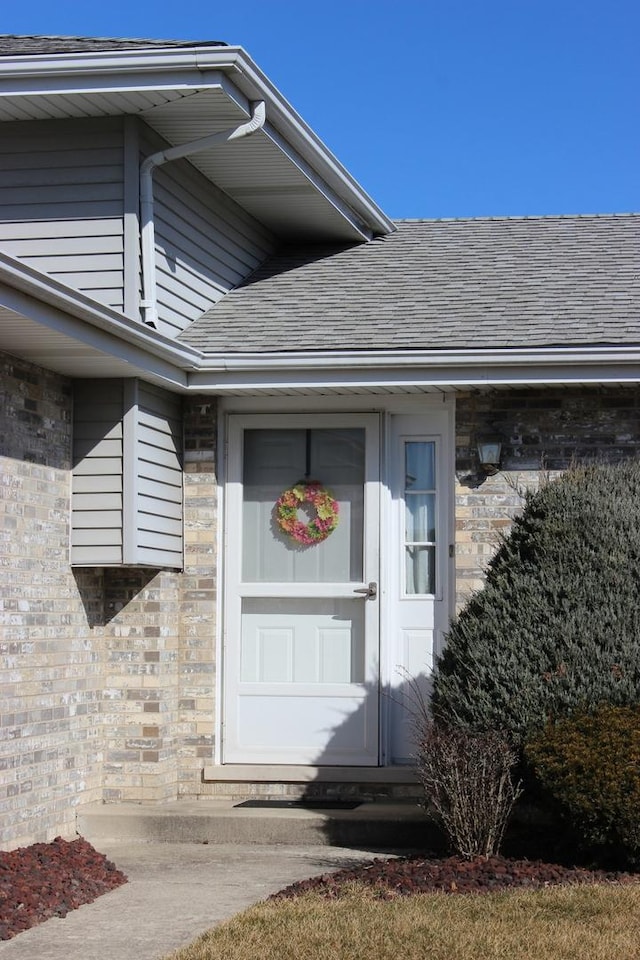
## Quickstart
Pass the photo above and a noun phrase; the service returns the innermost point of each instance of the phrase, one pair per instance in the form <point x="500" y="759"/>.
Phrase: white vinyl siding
<point x="205" y="243"/>
<point x="97" y="486"/>
<point x="127" y="475"/>
<point x="61" y="202"/>
<point x="159" y="478"/>
<point x="66" y="187"/>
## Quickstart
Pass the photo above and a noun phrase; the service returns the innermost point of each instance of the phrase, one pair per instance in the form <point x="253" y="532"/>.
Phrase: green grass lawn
<point x="562" y="923"/>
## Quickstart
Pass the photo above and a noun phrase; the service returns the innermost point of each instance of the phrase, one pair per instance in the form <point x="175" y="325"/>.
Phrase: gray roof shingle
<point x="441" y="284"/>
<point x="12" y="45"/>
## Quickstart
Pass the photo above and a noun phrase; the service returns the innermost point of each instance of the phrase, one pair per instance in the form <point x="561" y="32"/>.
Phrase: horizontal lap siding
<point x="97" y="485"/>
<point x="205" y="243"/>
<point x="61" y="202"/>
<point x="127" y="475"/>
<point x="159" y="483"/>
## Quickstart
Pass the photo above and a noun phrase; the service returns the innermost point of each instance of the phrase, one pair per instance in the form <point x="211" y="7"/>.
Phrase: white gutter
<point x="457" y="369"/>
<point x="149" y="302"/>
<point x="420" y="359"/>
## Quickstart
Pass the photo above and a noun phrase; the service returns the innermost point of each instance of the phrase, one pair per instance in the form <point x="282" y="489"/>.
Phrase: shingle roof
<point x="17" y="46"/>
<point x="442" y="284"/>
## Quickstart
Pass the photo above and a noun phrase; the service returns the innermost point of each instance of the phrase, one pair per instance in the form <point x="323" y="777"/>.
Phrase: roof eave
<point x="255" y="84"/>
<point x="40" y="70"/>
<point x="72" y="317"/>
<point x="185" y="369"/>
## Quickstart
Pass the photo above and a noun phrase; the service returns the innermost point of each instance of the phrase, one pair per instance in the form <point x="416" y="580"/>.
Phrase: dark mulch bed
<point x="416" y="874"/>
<point x="50" y="879"/>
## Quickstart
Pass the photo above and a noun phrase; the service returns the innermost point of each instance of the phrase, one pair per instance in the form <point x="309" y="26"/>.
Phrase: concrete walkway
<point x="175" y="891"/>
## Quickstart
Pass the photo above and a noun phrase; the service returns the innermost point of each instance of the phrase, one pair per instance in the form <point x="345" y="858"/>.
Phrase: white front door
<point x="301" y="647"/>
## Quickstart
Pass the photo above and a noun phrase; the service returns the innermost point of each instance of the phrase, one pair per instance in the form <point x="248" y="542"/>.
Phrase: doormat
<point x="302" y="804"/>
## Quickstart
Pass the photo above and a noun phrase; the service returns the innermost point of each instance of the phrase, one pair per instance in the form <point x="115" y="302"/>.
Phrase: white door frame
<point x="437" y="408"/>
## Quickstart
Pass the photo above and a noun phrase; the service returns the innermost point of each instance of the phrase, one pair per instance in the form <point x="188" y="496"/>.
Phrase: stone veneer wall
<point x="544" y="431"/>
<point x="140" y="641"/>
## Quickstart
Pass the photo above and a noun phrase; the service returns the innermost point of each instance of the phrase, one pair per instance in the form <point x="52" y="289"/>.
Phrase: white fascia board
<point x="455" y="378"/>
<point x="194" y="68"/>
<point x="125" y="82"/>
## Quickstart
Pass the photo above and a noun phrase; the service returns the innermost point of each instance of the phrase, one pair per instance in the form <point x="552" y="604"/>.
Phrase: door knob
<point x="369" y="592"/>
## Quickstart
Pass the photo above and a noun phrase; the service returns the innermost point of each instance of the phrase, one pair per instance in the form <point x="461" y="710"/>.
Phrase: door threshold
<point x="290" y="773"/>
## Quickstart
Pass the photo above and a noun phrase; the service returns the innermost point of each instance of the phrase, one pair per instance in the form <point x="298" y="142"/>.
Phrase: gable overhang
<point x="284" y="175"/>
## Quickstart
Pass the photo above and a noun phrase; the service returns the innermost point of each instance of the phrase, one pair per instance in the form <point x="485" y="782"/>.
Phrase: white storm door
<point x="301" y="665"/>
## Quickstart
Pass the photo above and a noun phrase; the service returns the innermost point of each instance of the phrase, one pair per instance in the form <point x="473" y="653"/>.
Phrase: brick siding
<point x="50" y="747"/>
<point x="106" y="675"/>
<point x="544" y="431"/>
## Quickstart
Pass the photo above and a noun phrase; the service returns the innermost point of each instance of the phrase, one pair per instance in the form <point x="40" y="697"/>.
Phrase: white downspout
<point x="147" y="233"/>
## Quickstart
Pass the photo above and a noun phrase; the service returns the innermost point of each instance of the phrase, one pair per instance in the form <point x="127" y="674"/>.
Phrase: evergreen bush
<point x="557" y="625"/>
<point x="589" y="764"/>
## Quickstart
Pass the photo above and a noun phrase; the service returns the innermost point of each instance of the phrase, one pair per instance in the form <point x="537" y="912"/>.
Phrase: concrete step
<point x="375" y="825"/>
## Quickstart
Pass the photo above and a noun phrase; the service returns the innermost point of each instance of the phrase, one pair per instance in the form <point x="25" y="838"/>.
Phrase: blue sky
<point x="440" y="108"/>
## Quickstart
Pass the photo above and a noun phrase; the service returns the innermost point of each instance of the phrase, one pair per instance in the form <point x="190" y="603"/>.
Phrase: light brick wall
<point x="106" y="675"/>
<point x="544" y="431"/>
<point x="50" y="745"/>
<point x="198" y="597"/>
<point x="139" y="700"/>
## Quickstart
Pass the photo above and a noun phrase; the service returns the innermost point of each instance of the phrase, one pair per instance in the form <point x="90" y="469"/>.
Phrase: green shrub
<point x="557" y="624"/>
<point x="467" y="782"/>
<point x="589" y="764"/>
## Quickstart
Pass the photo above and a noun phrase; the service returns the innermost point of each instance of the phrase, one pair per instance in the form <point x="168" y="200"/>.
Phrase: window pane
<point x="419" y="465"/>
<point x="420" y="517"/>
<point x="275" y="460"/>
<point x="420" y="570"/>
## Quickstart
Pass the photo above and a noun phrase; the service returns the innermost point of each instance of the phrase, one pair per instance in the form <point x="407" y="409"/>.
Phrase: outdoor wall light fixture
<point x="489" y="450"/>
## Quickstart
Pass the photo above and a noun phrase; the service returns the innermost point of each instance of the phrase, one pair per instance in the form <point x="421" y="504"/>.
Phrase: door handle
<point x="369" y="592"/>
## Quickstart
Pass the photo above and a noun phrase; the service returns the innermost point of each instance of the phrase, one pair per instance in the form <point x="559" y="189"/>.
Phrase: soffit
<point x="52" y="331"/>
<point x="263" y="173"/>
<point x="22" y="337"/>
